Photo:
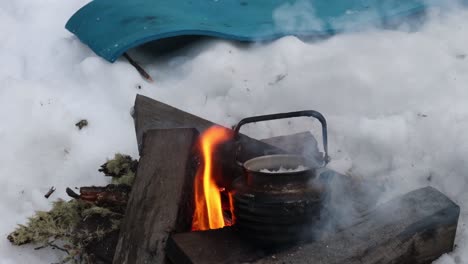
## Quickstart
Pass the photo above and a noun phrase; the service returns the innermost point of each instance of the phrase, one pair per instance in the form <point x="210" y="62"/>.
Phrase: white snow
<point x="396" y="103"/>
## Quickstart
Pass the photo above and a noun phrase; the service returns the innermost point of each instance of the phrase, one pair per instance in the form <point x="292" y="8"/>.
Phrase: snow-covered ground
<point x="396" y="103"/>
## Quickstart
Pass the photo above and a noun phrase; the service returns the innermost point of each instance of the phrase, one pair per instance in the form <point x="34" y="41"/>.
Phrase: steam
<point x="298" y="17"/>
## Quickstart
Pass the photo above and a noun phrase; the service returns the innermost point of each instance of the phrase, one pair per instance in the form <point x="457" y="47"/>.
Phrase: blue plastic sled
<point x="111" y="27"/>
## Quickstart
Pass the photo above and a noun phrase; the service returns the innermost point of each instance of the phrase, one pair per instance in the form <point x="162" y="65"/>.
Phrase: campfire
<point x="273" y="201"/>
<point x="208" y="205"/>
<point x="204" y="193"/>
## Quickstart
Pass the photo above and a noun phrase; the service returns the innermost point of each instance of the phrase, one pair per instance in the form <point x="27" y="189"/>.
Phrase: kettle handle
<point x="310" y="113"/>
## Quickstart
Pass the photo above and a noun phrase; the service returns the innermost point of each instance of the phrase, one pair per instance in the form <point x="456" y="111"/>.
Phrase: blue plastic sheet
<point x="111" y="27"/>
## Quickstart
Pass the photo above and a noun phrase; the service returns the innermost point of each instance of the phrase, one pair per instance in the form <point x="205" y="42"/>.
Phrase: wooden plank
<point x="416" y="228"/>
<point x="161" y="200"/>
<point x="151" y="114"/>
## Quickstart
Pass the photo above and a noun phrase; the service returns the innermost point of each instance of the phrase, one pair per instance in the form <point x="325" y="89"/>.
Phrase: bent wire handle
<point x="310" y="113"/>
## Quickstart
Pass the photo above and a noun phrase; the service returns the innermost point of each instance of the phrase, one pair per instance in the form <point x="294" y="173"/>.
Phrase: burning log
<point x="161" y="200"/>
<point x="415" y="228"/>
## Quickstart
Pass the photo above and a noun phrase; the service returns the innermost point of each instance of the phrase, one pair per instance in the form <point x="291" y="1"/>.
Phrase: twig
<point x="50" y="192"/>
<point x="72" y="194"/>
<point x="140" y="70"/>
<point x="53" y="246"/>
<point x="41" y="247"/>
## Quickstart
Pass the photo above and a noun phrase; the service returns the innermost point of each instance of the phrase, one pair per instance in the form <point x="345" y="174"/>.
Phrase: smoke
<point x="297" y="17"/>
<point x="305" y="18"/>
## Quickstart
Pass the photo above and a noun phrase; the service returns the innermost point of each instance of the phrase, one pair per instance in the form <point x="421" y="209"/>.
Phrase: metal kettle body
<point x="278" y="198"/>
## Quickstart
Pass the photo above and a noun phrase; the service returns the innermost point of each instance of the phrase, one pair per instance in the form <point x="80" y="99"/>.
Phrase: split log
<point x="416" y="228"/>
<point x="151" y="114"/>
<point x="161" y="200"/>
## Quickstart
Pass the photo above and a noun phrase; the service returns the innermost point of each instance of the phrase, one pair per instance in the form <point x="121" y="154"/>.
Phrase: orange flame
<point x="208" y="210"/>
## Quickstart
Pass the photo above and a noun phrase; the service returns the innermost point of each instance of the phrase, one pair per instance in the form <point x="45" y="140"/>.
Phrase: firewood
<point x="416" y="228"/>
<point x="151" y="114"/>
<point x="161" y="201"/>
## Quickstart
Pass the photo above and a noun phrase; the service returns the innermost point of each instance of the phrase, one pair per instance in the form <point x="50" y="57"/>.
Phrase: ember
<point x="208" y="210"/>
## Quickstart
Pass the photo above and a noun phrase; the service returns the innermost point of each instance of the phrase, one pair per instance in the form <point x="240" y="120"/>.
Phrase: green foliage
<point x="79" y="224"/>
<point x="119" y="165"/>
<point x="59" y="222"/>
<point x="126" y="179"/>
<point x="96" y="210"/>
<point x="122" y="169"/>
<point x="76" y="223"/>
